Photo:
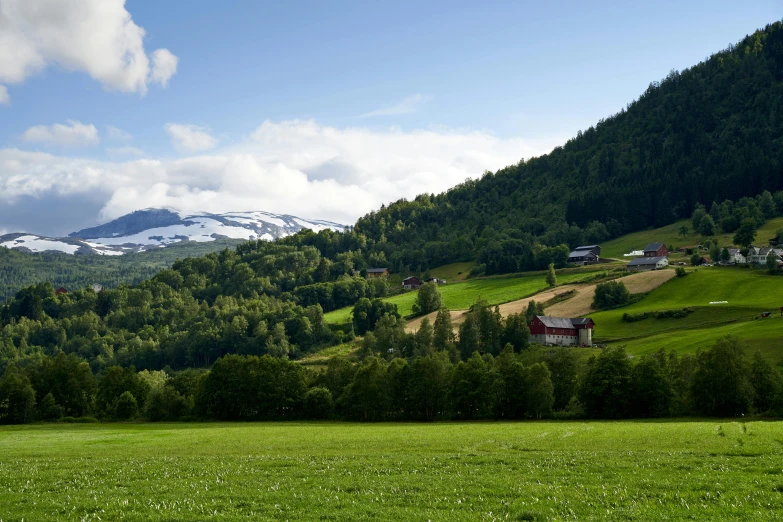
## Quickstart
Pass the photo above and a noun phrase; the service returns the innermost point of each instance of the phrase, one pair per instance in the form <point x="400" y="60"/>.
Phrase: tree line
<point x="531" y="384"/>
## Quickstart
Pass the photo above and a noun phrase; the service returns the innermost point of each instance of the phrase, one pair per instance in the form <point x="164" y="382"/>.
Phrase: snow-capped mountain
<point x="158" y="227"/>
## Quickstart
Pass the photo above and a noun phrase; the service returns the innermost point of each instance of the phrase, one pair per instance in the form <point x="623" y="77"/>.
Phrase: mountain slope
<point x="149" y="228"/>
<point x="709" y="133"/>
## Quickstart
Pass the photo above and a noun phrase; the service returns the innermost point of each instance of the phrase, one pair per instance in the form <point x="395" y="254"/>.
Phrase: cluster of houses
<point x="409" y="283"/>
<point x="654" y="257"/>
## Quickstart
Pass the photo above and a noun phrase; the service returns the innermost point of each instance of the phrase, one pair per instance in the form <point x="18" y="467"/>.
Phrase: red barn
<point x="561" y="331"/>
<point x="656" y="250"/>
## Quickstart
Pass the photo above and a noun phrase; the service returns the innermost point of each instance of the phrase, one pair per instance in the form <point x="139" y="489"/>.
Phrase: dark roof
<point x="376" y="270"/>
<point x="646" y="261"/>
<point x="653" y="247"/>
<point x="586" y="247"/>
<point x="555" y="322"/>
<point x="411" y="278"/>
<point x="562" y="322"/>
<point x="581" y="253"/>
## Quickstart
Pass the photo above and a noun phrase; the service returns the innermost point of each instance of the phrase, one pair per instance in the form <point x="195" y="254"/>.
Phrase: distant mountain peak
<point x="158" y="227"/>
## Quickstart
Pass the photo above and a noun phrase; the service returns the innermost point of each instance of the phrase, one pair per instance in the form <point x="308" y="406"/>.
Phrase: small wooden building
<point x="377" y="272"/>
<point x="411" y="283"/>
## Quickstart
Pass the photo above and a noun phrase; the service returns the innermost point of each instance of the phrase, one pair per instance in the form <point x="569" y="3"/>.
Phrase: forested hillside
<point x="709" y="133"/>
<point x="20" y="269"/>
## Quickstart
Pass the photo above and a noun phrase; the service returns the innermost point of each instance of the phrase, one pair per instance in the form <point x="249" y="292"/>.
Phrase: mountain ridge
<point x="158" y="227"/>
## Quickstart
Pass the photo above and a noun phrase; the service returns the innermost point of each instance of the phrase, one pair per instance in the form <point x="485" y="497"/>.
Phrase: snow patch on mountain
<point x="39" y="244"/>
<point x="159" y="227"/>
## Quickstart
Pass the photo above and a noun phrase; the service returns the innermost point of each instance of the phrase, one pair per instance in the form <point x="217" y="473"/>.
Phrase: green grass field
<point x="748" y="292"/>
<point x="460" y="296"/>
<point x="644" y="471"/>
<point x="671" y="236"/>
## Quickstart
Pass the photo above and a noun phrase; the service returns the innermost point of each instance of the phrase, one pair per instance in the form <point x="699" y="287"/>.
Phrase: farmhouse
<point x="758" y="255"/>
<point x="645" y="264"/>
<point x="561" y="331"/>
<point x="656" y="250"/>
<point x="736" y="257"/>
<point x="585" y="255"/>
<point x="377" y="272"/>
<point x="411" y="283"/>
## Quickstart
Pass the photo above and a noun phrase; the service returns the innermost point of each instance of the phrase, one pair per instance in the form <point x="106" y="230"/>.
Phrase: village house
<point x="561" y="331"/>
<point x="585" y="255"/>
<point x="60" y="291"/>
<point x="377" y="272"/>
<point x="758" y="255"/>
<point x="736" y="257"/>
<point x="411" y="283"/>
<point x="646" y="264"/>
<point x="656" y="250"/>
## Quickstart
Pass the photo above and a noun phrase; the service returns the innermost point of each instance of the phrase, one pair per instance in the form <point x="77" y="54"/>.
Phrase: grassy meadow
<point x="647" y="470"/>
<point x="461" y="295"/>
<point x="748" y="292"/>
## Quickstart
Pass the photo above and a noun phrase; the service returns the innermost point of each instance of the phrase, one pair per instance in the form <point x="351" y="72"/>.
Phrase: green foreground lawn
<point x="460" y="296"/>
<point x="700" y="470"/>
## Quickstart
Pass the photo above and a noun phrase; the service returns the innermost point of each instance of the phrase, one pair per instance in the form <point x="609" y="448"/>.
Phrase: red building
<point x="60" y="290"/>
<point x="656" y="250"/>
<point x="561" y="331"/>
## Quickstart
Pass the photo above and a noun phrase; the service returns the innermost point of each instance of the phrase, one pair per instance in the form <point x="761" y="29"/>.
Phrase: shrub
<point x="125" y="407"/>
<point x="680" y="271"/>
<point x="610" y="294"/>
<point x="318" y="403"/>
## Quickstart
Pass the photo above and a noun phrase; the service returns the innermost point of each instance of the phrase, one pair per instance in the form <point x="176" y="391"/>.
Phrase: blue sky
<point x="453" y="86"/>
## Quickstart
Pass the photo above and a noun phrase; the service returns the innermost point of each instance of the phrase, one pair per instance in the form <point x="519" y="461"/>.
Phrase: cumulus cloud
<point x="124" y="151"/>
<point x="406" y="106"/>
<point x="5" y="99"/>
<point x="117" y="134"/>
<point x="164" y="66"/>
<point x="97" y="37"/>
<point x="75" y="134"/>
<point x="190" y="138"/>
<point x="292" y="167"/>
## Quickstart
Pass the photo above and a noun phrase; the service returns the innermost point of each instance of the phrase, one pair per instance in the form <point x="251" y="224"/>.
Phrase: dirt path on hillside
<point x="577" y="306"/>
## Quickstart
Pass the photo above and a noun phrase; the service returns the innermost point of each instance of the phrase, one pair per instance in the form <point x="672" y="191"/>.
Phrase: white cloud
<point x="190" y="138"/>
<point x="97" y="37"/>
<point x="292" y="167"/>
<point x="74" y="134"/>
<point x="5" y="99"/>
<point x="164" y="66"/>
<point x="406" y="106"/>
<point x="124" y="151"/>
<point x="117" y="134"/>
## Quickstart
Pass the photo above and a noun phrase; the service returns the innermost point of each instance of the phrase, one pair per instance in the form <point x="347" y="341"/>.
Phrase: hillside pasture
<point x="670" y="235"/>
<point x="460" y="296"/>
<point x="715" y="470"/>
<point x="747" y="293"/>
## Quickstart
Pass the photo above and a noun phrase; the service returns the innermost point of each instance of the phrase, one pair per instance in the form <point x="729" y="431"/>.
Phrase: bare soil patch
<point x="577" y="306"/>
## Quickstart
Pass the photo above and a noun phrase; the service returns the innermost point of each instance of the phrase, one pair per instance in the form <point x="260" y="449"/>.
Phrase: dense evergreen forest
<point x="709" y="133"/>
